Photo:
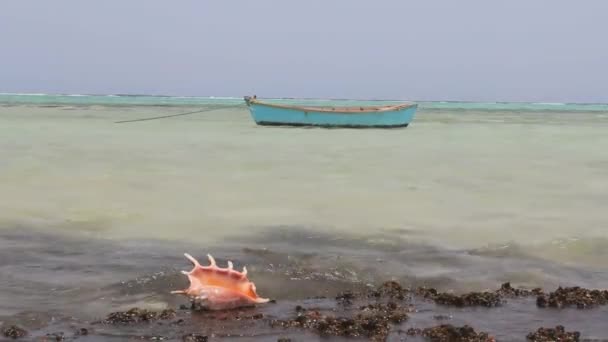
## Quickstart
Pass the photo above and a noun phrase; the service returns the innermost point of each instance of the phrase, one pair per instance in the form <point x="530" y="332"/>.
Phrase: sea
<point x="101" y="196"/>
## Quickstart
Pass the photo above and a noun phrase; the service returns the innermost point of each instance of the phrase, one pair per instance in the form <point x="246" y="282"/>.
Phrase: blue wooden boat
<point x="389" y="116"/>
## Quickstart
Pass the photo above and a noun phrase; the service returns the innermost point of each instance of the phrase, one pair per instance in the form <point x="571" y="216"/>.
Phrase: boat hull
<point x="269" y="115"/>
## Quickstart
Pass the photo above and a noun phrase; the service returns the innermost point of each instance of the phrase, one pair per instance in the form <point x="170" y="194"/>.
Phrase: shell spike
<point x="244" y="270"/>
<point x="230" y="266"/>
<point x="211" y="260"/>
<point x="194" y="261"/>
<point x="260" y="300"/>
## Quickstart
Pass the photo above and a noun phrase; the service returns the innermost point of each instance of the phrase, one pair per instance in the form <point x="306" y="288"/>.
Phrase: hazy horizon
<point x="301" y="98"/>
<point x="472" y="51"/>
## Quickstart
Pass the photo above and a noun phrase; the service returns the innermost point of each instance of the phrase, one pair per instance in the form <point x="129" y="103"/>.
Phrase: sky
<point x="467" y="50"/>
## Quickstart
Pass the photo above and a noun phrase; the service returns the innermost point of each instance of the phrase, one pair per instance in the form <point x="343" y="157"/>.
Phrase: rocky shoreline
<point x="371" y="314"/>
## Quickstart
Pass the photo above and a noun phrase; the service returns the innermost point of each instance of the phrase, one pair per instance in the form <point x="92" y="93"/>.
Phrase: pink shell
<point x="217" y="288"/>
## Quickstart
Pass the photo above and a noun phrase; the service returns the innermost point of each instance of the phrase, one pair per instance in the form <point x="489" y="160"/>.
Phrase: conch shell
<point x="215" y="288"/>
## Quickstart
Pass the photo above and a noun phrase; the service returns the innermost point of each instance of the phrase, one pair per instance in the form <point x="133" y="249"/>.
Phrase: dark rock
<point x="136" y="315"/>
<point x="82" y="332"/>
<point x="390" y="289"/>
<point x="284" y="339"/>
<point x="256" y="316"/>
<point x="54" y="337"/>
<point x="166" y="314"/>
<point x="345" y="297"/>
<point x="14" y="332"/>
<point x="178" y="322"/>
<point x="414" y="331"/>
<point x="507" y="290"/>
<point x="450" y="333"/>
<point x="426" y="292"/>
<point x="371" y="321"/>
<point x="542" y="301"/>
<point x="557" y="334"/>
<point x="393" y="290"/>
<point x="194" y="338"/>
<point x="573" y="296"/>
<point x="487" y="299"/>
<point x="153" y="338"/>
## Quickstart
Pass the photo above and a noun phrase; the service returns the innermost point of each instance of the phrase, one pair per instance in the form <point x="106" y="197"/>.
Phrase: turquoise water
<point x="131" y="100"/>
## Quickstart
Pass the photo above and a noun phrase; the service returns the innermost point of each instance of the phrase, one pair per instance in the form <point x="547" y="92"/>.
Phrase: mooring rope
<point x="187" y="113"/>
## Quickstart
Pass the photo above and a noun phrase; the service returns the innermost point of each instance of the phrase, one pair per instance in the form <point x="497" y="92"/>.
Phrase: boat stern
<point x="248" y="99"/>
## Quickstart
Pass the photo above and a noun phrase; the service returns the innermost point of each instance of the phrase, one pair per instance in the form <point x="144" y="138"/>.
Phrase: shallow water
<point x="96" y="212"/>
<point x="57" y="284"/>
